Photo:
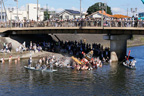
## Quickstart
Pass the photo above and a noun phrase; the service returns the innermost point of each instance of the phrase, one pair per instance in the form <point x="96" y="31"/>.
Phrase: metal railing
<point x="74" y="23"/>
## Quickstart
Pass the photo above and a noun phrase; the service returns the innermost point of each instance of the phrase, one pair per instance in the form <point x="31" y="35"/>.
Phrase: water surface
<point x="110" y="80"/>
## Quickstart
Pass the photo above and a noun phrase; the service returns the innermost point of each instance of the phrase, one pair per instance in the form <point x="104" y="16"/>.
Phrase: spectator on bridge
<point x="136" y="21"/>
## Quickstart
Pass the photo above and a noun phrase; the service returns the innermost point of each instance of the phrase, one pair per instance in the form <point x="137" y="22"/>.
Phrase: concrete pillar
<point x="118" y="46"/>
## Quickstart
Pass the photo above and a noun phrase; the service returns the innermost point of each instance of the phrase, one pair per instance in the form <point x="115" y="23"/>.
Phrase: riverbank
<point x="27" y="54"/>
<point x="137" y="40"/>
<point x="134" y="45"/>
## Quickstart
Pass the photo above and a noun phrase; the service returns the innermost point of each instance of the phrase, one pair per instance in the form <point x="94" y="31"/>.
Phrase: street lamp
<point x="11" y="10"/>
<point x="133" y="11"/>
<point x="102" y="7"/>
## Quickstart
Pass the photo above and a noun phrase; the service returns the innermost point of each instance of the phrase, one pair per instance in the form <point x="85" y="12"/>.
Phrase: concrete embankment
<point x="27" y="54"/>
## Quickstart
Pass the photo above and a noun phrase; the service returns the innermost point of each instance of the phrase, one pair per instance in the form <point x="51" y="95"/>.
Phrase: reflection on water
<point x="112" y="79"/>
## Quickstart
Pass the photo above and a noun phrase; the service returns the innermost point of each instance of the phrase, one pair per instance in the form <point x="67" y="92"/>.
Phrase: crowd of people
<point x="95" y="22"/>
<point x="52" y="61"/>
<point x="73" y="48"/>
<point x="92" y="22"/>
<point x="7" y="47"/>
<point x="129" y="62"/>
<point x="68" y="49"/>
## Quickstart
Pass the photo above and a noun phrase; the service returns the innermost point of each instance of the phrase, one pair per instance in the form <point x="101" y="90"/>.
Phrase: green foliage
<point x="96" y="7"/>
<point x="46" y="15"/>
<point x="142" y="39"/>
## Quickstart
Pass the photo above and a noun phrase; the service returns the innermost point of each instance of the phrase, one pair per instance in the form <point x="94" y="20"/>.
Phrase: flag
<point x="128" y="54"/>
<point x="142" y="1"/>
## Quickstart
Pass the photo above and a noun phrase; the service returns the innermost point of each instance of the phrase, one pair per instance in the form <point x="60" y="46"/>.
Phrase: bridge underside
<point x="117" y="35"/>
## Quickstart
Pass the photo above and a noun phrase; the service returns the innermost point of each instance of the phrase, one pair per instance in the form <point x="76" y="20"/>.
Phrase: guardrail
<point x="75" y="23"/>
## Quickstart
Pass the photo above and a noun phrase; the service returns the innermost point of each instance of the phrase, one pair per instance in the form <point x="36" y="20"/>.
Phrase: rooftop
<point x="72" y="11"/>
<point x="100" y="12"/>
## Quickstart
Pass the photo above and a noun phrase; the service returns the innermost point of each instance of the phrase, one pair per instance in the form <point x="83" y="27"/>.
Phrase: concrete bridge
<point x="71" y="30"/>
<point x="118" y="36"/>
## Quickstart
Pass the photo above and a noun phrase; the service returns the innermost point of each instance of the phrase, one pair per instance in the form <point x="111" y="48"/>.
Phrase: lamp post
<point x="11" y="10"/>
<point x="133" y="11"/>
<point x="102" y="7"/>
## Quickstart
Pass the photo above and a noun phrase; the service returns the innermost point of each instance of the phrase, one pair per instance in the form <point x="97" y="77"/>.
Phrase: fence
<point x="75" y="23"/>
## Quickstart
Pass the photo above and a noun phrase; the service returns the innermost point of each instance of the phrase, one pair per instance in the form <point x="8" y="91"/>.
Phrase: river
<point x="110" y="80"/>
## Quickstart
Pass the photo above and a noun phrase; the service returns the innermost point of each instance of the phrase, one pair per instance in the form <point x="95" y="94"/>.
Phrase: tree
<point x="96" y="7"/>
<point x="46" y="15"/>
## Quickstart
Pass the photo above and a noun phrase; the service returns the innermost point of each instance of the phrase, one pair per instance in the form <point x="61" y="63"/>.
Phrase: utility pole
<point x="127" y="12"/>
<point x="102" y="7"/>
<point x="5" y="12"/>
<point x="105" y="7"/>
<point x="80" y="10"/>
<point x="47" y="10"/>
<point x="1" y="10"/>
<point x="17" y="11"/>
<point x="37" y="10"/>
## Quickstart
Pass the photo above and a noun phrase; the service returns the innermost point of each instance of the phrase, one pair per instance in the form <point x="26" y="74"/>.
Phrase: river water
<point x="110" y="80"/>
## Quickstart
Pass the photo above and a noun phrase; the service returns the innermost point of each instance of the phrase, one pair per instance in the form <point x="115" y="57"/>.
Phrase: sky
<point x="117" y="6"/>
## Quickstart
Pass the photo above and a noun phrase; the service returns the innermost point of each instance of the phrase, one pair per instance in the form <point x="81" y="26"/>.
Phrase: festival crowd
<point x="72" y="48"/>
<point x="91" y="22"/>
<point x="68" y="48"/>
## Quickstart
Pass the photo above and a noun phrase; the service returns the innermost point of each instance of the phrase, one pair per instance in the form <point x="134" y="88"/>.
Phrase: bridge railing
<point x="74" y="23"/>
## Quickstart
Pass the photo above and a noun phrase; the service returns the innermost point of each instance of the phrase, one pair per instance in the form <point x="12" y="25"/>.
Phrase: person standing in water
<point x="2" y="60"/>
<point x="30" y="61"/>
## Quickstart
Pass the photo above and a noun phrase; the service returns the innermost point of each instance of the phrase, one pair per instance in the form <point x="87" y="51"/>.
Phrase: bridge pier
<point x="118" y="46"/>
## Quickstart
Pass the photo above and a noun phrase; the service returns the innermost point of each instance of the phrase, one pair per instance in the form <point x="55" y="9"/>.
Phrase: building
<point x="53" y="15"/>
<point x="98" y="14"/>
<point x="32" y="12"/>
<point x="70" y="14"/>
<point x="29" y="14"/>
<point x="13" y="15"/>
<point x="120" y="16"/>
<point x="3" y="16"/>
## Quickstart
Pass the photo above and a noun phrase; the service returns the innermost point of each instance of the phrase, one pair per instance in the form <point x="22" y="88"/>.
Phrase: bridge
<point x="118" y="36"/>
<point x="71" y="30"/>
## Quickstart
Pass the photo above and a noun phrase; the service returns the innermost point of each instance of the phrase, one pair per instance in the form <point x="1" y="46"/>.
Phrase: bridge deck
<point x="80" y="30"/>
